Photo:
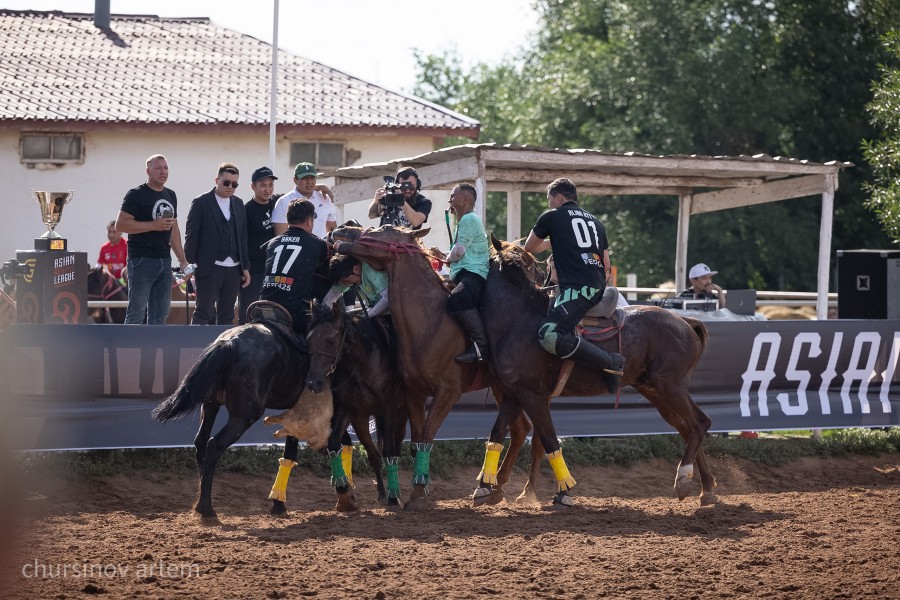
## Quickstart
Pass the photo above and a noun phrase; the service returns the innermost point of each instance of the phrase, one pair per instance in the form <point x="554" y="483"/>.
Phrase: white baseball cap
<point x="699" y="270"/>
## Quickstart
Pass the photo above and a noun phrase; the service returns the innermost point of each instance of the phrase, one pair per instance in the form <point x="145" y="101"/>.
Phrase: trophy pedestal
<point x="55" y="289"/>
<point x="55" y="244"/>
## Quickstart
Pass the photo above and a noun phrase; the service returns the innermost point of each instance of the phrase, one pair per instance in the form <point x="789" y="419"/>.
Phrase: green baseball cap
<point x="305" y="169"/>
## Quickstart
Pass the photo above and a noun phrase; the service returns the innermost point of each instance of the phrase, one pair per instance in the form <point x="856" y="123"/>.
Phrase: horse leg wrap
<point x="347" y="461"/>
<point x="491" y="461"/>
<point x="392" y="468"/>
<point x="564" y="481"/>
<point x="423" y="458"/>
<point x="338" y="477"/>
<point x="279" y="488"/>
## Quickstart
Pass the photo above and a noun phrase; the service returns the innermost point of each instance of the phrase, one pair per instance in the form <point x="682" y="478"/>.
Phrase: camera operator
<point x="400" y="203"/>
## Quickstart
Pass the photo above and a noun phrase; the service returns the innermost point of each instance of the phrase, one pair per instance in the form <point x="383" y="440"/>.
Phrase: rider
<point x="468" y="260"/>
<point x="347" y="271"/>
<point x="292" y="260"/>
<point x="581" y="255"/>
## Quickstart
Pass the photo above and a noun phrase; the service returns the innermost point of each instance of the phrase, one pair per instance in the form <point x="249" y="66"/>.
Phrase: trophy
<point x="51" y="204"/>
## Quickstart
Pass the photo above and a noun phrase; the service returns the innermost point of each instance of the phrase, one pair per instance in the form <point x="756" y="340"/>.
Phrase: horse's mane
<point x="510" y="263"/>
<point x="368" y="332"/>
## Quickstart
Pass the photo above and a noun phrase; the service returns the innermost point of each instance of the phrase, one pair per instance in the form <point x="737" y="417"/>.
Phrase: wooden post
<point x="513" y="214"/>
<point x="681" y="243"/>
<point x="825" y="223"/>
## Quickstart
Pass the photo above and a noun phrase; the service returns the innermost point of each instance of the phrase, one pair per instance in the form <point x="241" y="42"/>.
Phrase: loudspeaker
<point x="868" y="284"/>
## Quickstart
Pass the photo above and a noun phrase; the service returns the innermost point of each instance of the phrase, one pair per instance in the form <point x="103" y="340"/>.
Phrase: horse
<point x="661" y="349"/>
<point x="428" y="340"/>
<point x="246" y="369"/>
<point x="359" y="355"/>
<point x="101" y="285"/>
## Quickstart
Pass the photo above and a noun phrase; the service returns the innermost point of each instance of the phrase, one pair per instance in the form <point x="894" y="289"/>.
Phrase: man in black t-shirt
<point x="292" y="261"/>
<point x="415" y="209"/>
<point x="148" y="216"/>
<point x="259" y="231"/>
<point x="581" y="258"/>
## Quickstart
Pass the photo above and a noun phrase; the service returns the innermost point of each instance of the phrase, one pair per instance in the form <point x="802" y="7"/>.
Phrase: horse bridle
<point x="336" y="356"/>
<point x="394" y="247"/>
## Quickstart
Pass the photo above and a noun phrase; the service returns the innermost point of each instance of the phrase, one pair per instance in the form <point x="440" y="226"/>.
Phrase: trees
<point x="884" y="154"/>
<point x="714" y="77"/>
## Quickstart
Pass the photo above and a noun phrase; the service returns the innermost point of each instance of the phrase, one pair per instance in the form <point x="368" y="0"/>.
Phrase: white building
<point x="84" y="103"/>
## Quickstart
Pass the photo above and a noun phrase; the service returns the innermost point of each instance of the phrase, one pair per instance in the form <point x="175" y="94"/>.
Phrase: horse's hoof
<point x="418" y="504"/>
<point x="708" y="499"/>
<point x="208" y="518"/>
<point x="528" y="497"/>
<point x="278" y="509"/>
<point x="487" y="495"/>
<point x="345" y="502"/>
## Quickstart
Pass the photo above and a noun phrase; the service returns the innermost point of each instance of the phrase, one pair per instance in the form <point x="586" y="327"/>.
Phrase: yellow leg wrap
<point x="347" y="462"/>
<point x="564" y="481"/>
<point x="491" y="460"/>
<point x="279" y="488"/>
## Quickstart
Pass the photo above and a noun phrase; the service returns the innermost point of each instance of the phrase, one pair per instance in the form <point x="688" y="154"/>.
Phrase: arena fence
<point x="93" y="386"/>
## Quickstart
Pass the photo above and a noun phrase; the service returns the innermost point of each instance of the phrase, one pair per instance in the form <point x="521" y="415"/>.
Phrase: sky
<point x="372" y="40"/>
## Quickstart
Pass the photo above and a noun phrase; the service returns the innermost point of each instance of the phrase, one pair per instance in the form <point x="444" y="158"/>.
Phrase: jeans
<point x="149" y="290"/>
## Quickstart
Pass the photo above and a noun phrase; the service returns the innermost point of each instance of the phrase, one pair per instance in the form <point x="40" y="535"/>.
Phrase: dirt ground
<point x="814" y="529"/>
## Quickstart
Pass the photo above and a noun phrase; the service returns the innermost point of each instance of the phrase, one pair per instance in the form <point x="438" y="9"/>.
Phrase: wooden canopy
<point x="700" y="184"/>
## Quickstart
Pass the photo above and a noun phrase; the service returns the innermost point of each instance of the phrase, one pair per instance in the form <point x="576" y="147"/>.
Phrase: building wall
<point x="115" y="162"/>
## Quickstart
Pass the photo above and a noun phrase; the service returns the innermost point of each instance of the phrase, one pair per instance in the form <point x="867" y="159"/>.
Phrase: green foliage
<point x="884" y="153"/>
<point x="708" y="77"/>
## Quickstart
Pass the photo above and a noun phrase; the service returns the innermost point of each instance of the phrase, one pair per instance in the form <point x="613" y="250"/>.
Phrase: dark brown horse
<point x="523" y="374"/>
<point x="428" y="340"/>
<point x="103" y="286"/>
<point x="661" y="349"/>
<point x="359" y="355"/>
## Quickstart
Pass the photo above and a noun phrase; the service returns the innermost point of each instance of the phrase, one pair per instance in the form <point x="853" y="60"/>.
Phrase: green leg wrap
<point x="392" y="468"/>
<point x="338" y="477"/>
<point x="423" y="458"/>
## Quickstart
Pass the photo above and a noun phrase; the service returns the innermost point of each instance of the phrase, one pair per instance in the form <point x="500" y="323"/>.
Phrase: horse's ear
<point x="336" y="309"/>
<point x="496" y="242"/>
<point x="422" y="232"/>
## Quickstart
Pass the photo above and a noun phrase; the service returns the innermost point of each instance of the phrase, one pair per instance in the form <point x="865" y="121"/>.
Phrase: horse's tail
<point x="206" y="377"/>
<point x="702" y="334"/>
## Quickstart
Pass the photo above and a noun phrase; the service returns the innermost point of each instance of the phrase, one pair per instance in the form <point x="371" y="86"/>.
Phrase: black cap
<point x="262" y="173"/>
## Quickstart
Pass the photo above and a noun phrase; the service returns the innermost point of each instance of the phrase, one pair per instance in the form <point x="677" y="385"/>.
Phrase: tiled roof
<point x="58" y="66"/>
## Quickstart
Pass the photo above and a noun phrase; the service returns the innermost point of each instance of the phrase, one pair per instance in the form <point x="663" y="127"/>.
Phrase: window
<point x="51" y="147"/>
<point x="325" y="155"/>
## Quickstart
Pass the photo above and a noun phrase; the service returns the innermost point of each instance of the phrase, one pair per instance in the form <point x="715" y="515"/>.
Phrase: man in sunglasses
<point x="215" y="242"/>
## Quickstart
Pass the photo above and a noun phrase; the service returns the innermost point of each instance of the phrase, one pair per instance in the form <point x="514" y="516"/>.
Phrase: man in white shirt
<point x="305" y="187"/>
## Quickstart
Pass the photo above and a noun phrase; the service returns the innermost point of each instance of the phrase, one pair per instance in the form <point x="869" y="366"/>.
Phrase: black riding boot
<point x="471" y="321"/>
<point x="612" y="364"/>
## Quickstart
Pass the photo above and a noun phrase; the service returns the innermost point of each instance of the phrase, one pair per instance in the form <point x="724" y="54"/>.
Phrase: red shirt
<point x="114" y="257"/>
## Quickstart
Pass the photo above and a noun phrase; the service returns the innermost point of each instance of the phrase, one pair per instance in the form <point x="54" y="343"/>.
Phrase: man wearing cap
<point x="215" y="240"/>
<point x="702" y="287"/>
<point x="305" y="187"/>
<point x="259" y="232"/>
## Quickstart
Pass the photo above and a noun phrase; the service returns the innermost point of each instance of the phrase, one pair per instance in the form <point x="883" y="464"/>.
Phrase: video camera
<point x="393" y="192"/>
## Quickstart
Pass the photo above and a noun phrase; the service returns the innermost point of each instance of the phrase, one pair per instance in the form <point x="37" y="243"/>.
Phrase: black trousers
<point x="467" y="293"/>
<point x="217" y="292"/>
<point x="250" y="294"/>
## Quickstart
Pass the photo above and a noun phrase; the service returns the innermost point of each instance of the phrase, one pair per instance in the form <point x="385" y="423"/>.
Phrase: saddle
<point x="278" y="320"/>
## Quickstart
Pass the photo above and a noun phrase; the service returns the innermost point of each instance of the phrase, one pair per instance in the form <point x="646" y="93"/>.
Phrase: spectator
<point x="292" y="261"/>
<point x="259" y="232"/>
<point x="215" y="241"/>
<point x="415" y="208"/>
<point x="114" y="253"/>
<point x="581" y="257"/>
<point x="149" y="217"/>
<point x="320" y="196"/>
<point x="702" y="287"/>
<point x="468" y="260"/>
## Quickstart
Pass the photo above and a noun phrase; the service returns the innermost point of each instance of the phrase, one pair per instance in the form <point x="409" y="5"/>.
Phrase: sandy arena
<point x="817" y="528"/>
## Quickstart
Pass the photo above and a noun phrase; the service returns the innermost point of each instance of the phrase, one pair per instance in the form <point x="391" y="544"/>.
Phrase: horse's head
<point x="511" y="255"/>
<point x="380" y="246"/>
<point x="325" y="341"/>
<point x="346" y="232"/>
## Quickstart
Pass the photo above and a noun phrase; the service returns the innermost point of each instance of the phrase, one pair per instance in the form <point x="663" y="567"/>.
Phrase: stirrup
<point x="618" y="366"/>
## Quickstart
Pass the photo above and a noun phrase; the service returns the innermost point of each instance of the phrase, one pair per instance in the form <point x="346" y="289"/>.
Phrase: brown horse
<point x="523" y="374"/>
<point x="661" y="349"/>
<point x="428" y="340"/>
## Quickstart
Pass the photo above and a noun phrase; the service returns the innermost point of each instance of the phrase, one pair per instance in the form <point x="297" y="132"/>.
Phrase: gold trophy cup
<point x="51" y="204"/>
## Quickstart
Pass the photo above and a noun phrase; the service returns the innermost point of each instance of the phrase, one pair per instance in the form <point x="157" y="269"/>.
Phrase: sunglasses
<point x="227" y="183"/>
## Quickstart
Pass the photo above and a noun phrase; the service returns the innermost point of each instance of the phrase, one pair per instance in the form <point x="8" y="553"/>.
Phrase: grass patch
<point x="447" y="456"/>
